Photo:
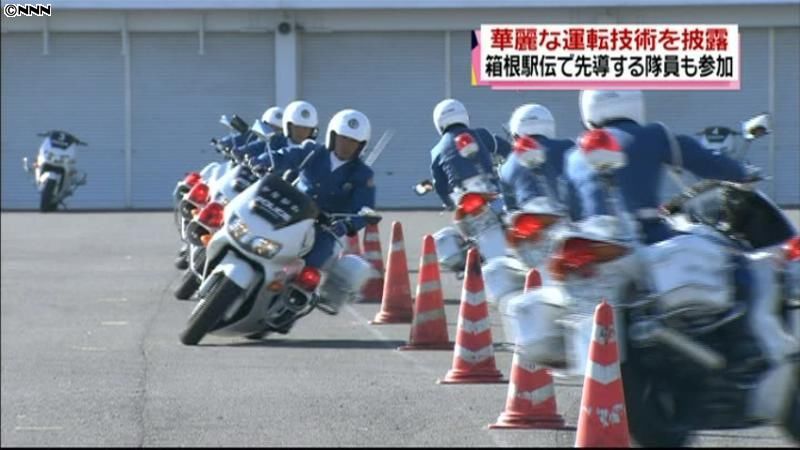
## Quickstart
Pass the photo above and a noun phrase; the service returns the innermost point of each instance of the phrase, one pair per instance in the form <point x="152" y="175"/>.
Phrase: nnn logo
<point x="27" y="10"/>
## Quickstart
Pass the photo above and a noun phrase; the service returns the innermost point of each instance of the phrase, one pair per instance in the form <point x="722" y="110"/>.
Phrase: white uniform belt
<point x="648" y="213"/>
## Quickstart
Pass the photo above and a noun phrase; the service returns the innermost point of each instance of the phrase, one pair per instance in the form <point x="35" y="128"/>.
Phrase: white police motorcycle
<point x="475" y="221"/>
<point x="54" y="172"/>
<point x="254" y="280"/>
<point x="219" y="191"/>
<point x="695" y="353"/>
<point x="208" y="176"/>
<point x="530" y="234"/>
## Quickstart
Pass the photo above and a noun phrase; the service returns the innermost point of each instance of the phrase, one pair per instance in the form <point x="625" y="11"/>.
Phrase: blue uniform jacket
<point x="449" y="168"/>
<point x="236" y="140"/>
<point x="519" y="184"/>
<point x="258" y="149"/>
<point x="345" y="190"/>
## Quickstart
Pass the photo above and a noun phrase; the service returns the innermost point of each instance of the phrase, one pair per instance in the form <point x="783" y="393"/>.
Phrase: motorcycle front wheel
<point x="651" y="419"/>
<point x="47" y="201"/>
<point x="792" y="423"/>
<point x="210" y="309"/>
<point x="187" y="286"/>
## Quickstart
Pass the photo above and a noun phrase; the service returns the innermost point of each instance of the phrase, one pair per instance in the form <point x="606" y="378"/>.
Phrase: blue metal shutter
<point x="178" y="96"/>
<point x="395" y="79"/>
<point x="77" y="87"/>
<point x="786" y="117"/>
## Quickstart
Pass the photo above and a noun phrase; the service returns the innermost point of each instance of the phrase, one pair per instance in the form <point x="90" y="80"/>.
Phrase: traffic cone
<point x="473" y="358"/>
<point x="373" y="288"/>
<point x="353" y="247"/>
<point x="429" y="326"/>
<point x="531" y="401"/>
<point x="533" y="280"/>
<point x="603" y="421"/>
<point x="396" y="301"/>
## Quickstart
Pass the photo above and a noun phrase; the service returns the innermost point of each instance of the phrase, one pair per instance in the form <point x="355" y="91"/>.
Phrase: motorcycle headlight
<point x="265" y="247"/>
<point x="261" y="246"/>
<point x="237" y="228"/>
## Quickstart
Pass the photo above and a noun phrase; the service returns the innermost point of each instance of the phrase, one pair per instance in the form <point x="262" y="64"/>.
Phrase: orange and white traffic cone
<point x="603" y="421"/>
<point x="429" y="326"/>
<point x="396" y="302"/>
<point x="531" y="400"/>
<point x="473" y="358"/>
<point x="353" y="247"/>
<point x="373" y="289"/>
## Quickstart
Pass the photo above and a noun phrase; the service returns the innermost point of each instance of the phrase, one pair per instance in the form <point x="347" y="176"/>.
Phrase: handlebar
<point x="423" y="187"/>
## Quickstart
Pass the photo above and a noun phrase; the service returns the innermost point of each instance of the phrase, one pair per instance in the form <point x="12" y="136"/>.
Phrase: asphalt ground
<point x="91" y="357"/>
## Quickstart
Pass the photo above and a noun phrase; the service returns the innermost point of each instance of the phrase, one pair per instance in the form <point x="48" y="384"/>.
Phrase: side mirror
<point x="260" y="130"/>
<point x="756" y="127"/>
<point x="239" y="124"/>
<point x="423" y="187"/>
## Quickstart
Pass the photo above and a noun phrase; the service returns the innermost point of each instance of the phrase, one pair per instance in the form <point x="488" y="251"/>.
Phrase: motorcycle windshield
<point x="748" y="213"/>
<point x="61" y="139"/>
<point x="244" y="178"/>
<point x="281" y="204"/>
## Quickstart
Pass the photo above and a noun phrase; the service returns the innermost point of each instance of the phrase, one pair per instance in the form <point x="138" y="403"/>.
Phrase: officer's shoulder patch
<point x="371" y="182"/>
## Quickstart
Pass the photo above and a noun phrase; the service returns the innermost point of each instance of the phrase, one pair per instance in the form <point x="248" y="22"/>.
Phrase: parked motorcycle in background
<point x="696" y="352"/>
<point x="54" y="172"/>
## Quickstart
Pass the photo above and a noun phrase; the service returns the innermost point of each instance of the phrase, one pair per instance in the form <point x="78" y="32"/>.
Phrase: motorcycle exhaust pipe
<point x="653" y="332"/>
<point x="702" y="354"/>
<point x="794" y="319"/>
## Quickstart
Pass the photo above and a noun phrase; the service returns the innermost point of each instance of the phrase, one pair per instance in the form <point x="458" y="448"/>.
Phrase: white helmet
<point x="273" y="116"/>
<point x="349" y="123"/>
<point x="532" y="119"/>
<point x="447" y="112"/>
<point x="598" y="107"/>
<point x="300" y="113"/>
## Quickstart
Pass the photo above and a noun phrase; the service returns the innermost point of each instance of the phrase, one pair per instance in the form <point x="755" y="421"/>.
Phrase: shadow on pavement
<point x="719" y="434"/>
<point x="316" y="343"/>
